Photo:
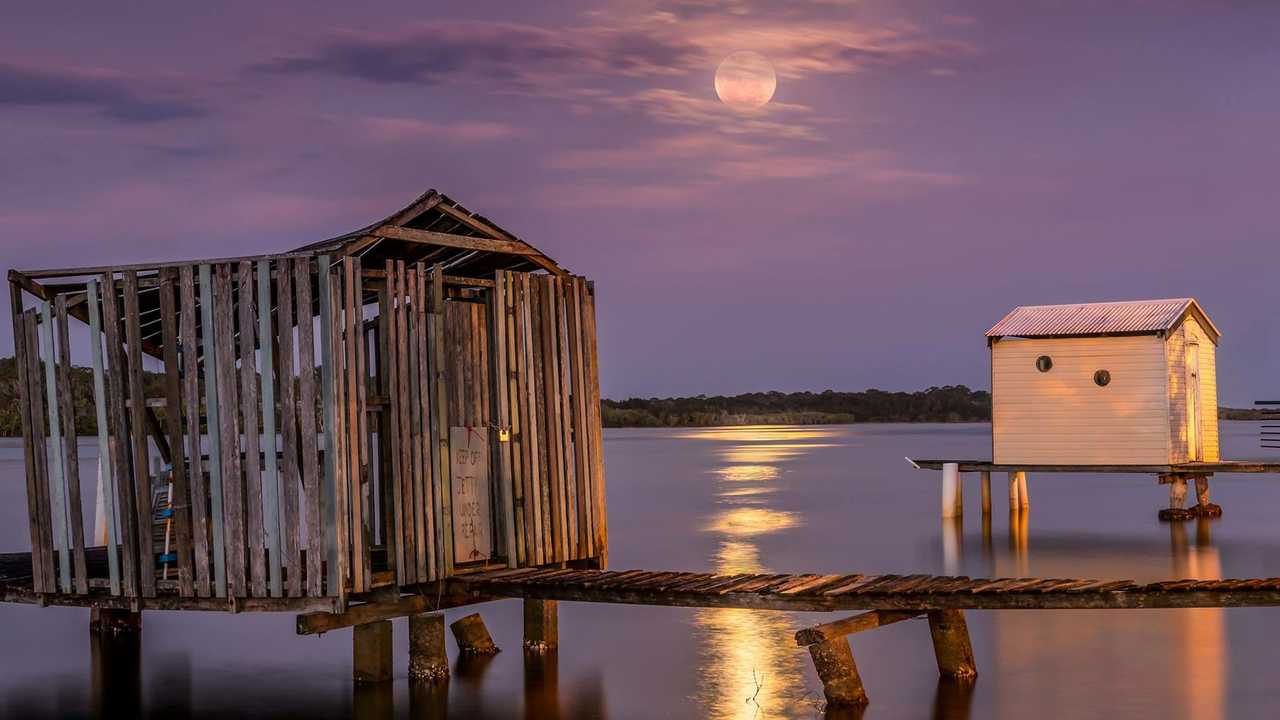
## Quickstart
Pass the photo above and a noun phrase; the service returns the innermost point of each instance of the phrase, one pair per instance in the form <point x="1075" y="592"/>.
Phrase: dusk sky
<point x="923" y="166"/>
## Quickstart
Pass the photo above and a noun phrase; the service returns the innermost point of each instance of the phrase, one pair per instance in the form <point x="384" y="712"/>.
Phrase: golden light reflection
<point x="749" y="669"/>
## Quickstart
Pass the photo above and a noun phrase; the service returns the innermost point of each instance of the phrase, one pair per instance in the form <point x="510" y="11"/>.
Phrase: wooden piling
<point x="371" y="652"/>
<point x="541" y="625"/>
<point x="472" y="636"/>
<point x="951" y="646"/>
<point x="427" y="658"/>
<point x="841" y="683"/>
<point x="952" y="499"/>
<point x="110" y="621"/>
<point x="986" y="493"/>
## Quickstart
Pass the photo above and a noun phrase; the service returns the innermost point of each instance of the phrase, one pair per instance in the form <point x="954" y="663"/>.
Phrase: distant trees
<point x="952" y="403"/>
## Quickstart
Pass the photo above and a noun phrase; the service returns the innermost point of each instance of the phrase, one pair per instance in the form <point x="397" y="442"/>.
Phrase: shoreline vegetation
<point x="948" y="404"/>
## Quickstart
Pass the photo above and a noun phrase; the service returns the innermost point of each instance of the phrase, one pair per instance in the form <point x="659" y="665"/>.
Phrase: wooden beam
<point x="142" y="267"/>
<point x="430" y="237"/>
<point x="850" y="625"/>
<point x="542" y="260"/>
<point x="427" y="601"/>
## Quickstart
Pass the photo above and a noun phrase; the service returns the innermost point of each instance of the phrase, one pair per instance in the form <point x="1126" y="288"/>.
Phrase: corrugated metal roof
<point x="1137" y="316"/>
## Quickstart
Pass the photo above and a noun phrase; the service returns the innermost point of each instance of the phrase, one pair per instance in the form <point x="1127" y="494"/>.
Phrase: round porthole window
<point x="1044" y="363"/>
<point x="1102" y="378"/>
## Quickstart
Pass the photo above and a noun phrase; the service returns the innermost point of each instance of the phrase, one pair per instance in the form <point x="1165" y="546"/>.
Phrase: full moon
<point x="745" y="80"/>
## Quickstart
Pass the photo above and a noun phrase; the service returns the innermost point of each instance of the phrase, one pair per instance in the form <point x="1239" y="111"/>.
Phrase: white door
<point x="1194" y="449"/>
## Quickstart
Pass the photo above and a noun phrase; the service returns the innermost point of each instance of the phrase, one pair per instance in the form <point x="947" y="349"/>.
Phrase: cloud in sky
<point x="113" y="96"/>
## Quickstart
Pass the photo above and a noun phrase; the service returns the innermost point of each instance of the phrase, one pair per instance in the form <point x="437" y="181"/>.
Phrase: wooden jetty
<point x="396" y="421"/>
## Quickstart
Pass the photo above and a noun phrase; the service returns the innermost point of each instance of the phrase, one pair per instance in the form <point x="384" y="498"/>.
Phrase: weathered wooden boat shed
<point x="410" y="401"/>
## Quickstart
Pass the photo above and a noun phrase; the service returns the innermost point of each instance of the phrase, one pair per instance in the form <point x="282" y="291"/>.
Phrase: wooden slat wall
<point x="255" y="513"/>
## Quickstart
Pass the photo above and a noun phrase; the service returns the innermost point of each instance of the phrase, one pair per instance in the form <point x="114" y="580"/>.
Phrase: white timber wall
<point x="1191" y="330"/>
<point x="1063" y="417"/>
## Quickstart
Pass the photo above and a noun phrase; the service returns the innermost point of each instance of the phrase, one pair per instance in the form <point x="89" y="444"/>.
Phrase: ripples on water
<point x="745" y="500"/>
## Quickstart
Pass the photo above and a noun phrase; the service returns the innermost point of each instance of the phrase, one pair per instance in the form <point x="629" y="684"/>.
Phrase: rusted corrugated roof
<point x="1135" y="316"/>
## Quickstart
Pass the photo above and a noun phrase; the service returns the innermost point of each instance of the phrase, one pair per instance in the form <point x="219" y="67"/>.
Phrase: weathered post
<point x="1018" y="498"/>
<point x="952" y="500"/>
<point x="427" y="657"/>
<point x="371" y="652"/>
<point x="1204" y="508"/>
<point x="986" y="492"/>
<point x="841" y="684"/>
<point x="1177" y="498"/>
<point x="541" y="625"/>
<point x="472" y="636"/>
<point x="951" y="646"/>
<point x="110" y="621"/>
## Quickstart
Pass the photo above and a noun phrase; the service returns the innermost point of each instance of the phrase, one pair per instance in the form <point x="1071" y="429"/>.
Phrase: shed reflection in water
<point x="749" y="666"/>
<point x="1183" y="652"/>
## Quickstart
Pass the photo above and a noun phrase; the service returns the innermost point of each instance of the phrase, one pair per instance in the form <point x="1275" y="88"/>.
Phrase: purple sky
<point x="924" y="165"/>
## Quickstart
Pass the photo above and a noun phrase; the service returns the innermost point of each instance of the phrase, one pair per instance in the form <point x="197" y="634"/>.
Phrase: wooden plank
<point x="291" y="558"/>
<point x="271" y="471"/>
<point x="850" y="625"/>
<point x="550" y="402"/>
<point x="353" y="321"/>
<point x="426" y="524"/>
<point x="119" y="441"/>
<point x="309" y="464"/>
<point x="427" y="237"/>
<point x="440" y="423"/>
<point x="509" y="328"/>
<point x="413" y="401"/>
<point x="401" y="411"/>
<point x="501" y="417"/>
<point x="232" y="501"/>
<point x="249" y="427"/>
<point x="581" y="430"/>
<point x="67" y="413"/>
<point x="106" y="468"/>
<point x="388" y="438"/>
<point x="335" y="583"/>
<point x="573" y="513"/>
<point x="181" y="503"/>
<point x="26" y="349"/>
<point x="533" y="441"/>
<point x="340" y="517"/>
<point x="196" y="487"/>
<point x="57" y="470"/>
<point x="210" y="332"/>
<point x="138" y="420"/>
<point x="592" y="364"/>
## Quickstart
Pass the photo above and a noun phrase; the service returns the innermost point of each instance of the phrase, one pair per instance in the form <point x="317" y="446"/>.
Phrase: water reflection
<point x="1183" y="652"/>
<point x="749" y="667"/>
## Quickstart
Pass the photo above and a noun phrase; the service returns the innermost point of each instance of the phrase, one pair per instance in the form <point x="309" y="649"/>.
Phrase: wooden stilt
<point x="1178" y="493"/>
<point x="427" y="658"/>
<point x="841" y="684"/>
<point x="1015" y="499"/>
<point x="986" y="493"/>
<point x="109" y="621"/>
<point x="541" y="625"/>
<point x="1024" y="499"/>
<point x="371" y="652"/>
<point x="472" y="636"/>
<point x="1204" y="508"/>
<point x="951" y="644"/>
<point x="952" y="500"/>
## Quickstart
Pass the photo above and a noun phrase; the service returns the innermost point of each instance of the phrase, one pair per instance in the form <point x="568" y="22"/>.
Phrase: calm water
<point x="828" y="500"/>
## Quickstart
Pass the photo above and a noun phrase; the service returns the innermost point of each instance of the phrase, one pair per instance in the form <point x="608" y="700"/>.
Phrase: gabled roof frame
<point x="1057" y="322"/>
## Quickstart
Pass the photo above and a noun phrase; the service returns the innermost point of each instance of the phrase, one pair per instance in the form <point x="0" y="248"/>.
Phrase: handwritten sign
<point x="472" y="497"/>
